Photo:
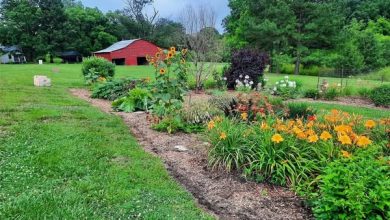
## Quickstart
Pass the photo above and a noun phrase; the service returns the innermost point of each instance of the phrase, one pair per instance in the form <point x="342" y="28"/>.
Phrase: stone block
<point x="42" y="81"/>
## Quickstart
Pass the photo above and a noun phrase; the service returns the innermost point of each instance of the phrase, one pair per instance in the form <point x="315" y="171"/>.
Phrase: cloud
<point x="167" y="8"/>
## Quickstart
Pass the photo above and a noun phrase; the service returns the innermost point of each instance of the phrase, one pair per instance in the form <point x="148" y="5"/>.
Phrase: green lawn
<point x="60" y="158"/>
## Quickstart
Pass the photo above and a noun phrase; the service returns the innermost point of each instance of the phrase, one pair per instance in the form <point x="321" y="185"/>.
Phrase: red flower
<point x="312" y="118"/>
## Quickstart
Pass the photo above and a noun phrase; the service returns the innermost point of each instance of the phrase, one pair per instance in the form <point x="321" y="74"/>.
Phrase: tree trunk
<point x="297" y="64"/>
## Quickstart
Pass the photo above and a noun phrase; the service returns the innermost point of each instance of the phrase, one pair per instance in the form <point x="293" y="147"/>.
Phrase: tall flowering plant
<point x="170" y="86"/>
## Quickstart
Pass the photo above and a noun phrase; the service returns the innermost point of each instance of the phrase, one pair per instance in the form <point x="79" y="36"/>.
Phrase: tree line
<point x="42" y="27"/>
<point x="344" y="34"/>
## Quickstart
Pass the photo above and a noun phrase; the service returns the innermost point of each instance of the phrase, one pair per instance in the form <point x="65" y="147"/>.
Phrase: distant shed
<point x="128" y="52"/>
<point x="71" y="56"/>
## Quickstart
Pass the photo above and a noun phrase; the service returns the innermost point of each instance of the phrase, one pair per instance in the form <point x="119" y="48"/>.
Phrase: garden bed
<point x="225" y="195"/>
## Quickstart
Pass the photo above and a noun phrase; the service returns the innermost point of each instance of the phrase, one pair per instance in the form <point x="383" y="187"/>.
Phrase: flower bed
<point x="303" y="152"/>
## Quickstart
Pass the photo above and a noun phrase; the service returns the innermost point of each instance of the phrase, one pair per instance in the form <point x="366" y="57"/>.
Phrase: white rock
<point x="181" y="148"/>
<point x="41" y="81"/>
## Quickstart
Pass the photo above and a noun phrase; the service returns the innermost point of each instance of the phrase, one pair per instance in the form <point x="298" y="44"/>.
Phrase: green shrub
<point x="331" y="94"/>
<point x="364" y="92"/>
<point x="300" y="110"/>
<point x="287" y="69"/>
<point x="310" y="71"/>
<point x="138" y="99"/>
<point x="381" y="95"/>
<point x="95" y="68"/>
<point x="113" y="90"/>
<point x="312" y="94"/>
<point x="170" y="124"/>
<point x="347" y="91"/>
<point x="354" y="188"/>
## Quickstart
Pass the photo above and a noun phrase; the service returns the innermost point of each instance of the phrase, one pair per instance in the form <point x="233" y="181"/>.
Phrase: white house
<point x="11" y="54"/>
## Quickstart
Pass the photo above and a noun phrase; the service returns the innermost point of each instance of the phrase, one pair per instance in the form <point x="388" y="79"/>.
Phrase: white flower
<point x="266" y="79"/>
<point x="237" y="81"/>
<point x="251" y="82"/>
<point x="275" y="89"/>
<point x="286" y="77"/>
<point x="283" y="85"/>
<point x="246" y="77"/>
<point x="224" y="78"/>
<point x="245" y="81"/>
<point x="247" y="85"/>
<point x="277" y="83"/>
<point x="240" y="76"/>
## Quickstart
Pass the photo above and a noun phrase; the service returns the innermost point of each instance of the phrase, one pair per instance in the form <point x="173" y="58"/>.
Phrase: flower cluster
<point x="244" y="83"/>
<point x="285" y="88"/>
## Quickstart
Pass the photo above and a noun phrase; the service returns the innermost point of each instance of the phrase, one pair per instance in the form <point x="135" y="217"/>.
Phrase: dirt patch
<point x="349" y="101"/>
<point x="224" y="195"/>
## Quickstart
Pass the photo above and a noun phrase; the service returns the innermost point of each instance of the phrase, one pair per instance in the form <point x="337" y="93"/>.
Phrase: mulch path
<point x="226" y="196"/>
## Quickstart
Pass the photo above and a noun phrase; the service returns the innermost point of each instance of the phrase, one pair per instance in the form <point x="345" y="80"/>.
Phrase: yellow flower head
<point x="162" y="71"/>
<point x="170" y="54"/>
<point x="218" y="119"/>
<point x="211" y="125"/>
<point x="244" y="116"/>
<point x="310" y="124"/>
<point x="312" y="139"/>
<point x="172" y="49"/>
<point x="345" y="154"/>
<point x="264" y="126"/>
<point x="370" y="124"/>
<point x="302" y="135"/>
<point x="344" y="139"/>
<point x="343" y="128"/>
<point x="363" y="141"/>
<point x="281" y="127"/>
<point x="183" y="61"/>
<point x="158" y="54"/>
<point x="277" y="138"/>
<point x="297" y="130"/>
<point x="223" y="136"/>
<point x="184" y="51"/>
<point x="310" y="132"/>
<point x="325" y="136"/>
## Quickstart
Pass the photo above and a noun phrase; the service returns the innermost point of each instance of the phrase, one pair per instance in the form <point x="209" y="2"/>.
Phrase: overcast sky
<point x="167" y="8"/>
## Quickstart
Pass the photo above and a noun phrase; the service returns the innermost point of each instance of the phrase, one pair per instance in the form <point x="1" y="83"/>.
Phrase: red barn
<point x="128" y="52"/>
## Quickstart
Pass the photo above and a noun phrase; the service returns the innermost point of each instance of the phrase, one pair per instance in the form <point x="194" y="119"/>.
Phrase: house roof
<point x="69" y="53"/>
<point x="8" y="49"/>
<point x="117" y="46"/>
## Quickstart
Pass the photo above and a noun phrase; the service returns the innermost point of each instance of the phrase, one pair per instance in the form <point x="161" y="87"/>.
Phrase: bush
<point x="286" y="88"/>
<point x="287" y="69"/>
<point x="138" y="99"/>
<point x="312" y="94"/>
<point x="364" y="92"/>
<point x="354" y="188"/>
<point x="95" y="68"/>
<point x="199" y="113"/>
<point x="246" y="62"/>
<point x="300" y="110"/>
<point x="380" y="95"/>
<point x="113" y="90"/>
<point x="331" y="94"/>
<point x="170" y="124"/>
<point x="310" y="71"/>
<point x="223" y="102"/>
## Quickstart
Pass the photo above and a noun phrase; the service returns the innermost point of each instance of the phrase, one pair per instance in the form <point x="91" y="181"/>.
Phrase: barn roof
<point x="117" y="46"/>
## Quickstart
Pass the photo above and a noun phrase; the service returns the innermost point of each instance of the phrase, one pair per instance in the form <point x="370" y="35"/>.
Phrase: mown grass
<point x="60" y="158"/>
